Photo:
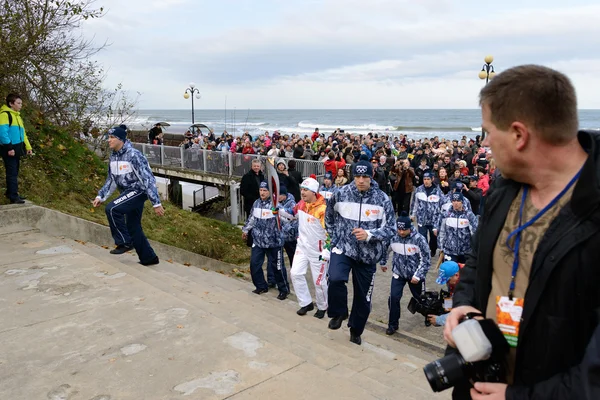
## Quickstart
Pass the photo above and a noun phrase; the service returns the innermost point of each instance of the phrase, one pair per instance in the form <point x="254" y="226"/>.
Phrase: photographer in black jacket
<point x="473" y="193"/>
<point x="538" y="240"/>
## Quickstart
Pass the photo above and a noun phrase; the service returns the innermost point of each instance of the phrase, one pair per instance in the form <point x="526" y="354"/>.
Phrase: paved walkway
<point x="79" y="323"/>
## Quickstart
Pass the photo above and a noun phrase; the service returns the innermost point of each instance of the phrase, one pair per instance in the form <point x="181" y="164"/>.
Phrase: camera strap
<point x="521" y="227"/>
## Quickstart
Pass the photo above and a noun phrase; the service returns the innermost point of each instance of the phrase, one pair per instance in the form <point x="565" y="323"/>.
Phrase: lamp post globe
<point x="190" y="92"/>
<point x="488" y="59"/>
<point x="482" y="74"/>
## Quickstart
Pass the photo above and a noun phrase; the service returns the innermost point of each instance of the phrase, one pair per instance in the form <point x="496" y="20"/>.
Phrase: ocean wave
<point x="325" y="127"/>
<point x="438" y="129"/>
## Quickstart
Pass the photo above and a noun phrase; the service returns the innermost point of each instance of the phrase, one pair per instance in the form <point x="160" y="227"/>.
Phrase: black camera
<point x="481" y="356"/>
<point x="430" y="303"/>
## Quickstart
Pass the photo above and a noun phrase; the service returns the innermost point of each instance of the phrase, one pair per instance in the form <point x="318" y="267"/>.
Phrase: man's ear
<point x="521" y="134"/>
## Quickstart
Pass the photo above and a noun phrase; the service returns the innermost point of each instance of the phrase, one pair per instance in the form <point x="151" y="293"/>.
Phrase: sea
<point x="450" y="124"/>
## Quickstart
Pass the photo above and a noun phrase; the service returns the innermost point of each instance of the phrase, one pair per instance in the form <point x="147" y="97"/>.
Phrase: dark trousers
<point x="396" y="294"/>
<point x="432" y="239"/>
<point x="290" y="249"/>
<point x="401" y="202"/>
<point x="125" y="219"/>
<point x="11" y="165"/>
<point x="274" y="262"/>
<point x="363" y="280"/>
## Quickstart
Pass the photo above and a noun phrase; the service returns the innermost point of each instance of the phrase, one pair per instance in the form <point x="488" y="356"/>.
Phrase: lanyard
<point x="517" y="232"/>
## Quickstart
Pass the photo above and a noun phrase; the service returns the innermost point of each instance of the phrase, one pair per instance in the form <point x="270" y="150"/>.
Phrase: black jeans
<point x="11" y="164"/>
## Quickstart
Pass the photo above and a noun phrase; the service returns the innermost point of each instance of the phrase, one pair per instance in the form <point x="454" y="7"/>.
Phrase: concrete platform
<point x="79" y="323"/>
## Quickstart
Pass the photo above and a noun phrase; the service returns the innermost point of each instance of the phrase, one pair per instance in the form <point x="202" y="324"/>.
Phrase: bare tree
<point x="44" y="56"/>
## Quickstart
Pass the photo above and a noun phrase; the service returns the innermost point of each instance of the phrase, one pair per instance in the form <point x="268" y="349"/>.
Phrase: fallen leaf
<point x="169" y="260"/>
<point x="80" y="241"/>
<point x="171" y="358"/>
<point x="187" y="264"/>
<point x="142" y="299"/>
<point x="206" y="269"/>
<point x="105" y="247"/>
<point x="179" y="326"/>
<point x="92" y="210"/>
<point x="206" y="292"/>
<point x="112" y="360"/>
<point x="19" y="302"/>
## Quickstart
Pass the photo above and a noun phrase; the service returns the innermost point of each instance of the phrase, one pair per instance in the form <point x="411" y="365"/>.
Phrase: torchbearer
<point x="312" y="249"/>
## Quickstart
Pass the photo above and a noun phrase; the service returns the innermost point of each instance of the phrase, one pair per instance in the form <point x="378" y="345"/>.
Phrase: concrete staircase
<point x="79" y="323"/>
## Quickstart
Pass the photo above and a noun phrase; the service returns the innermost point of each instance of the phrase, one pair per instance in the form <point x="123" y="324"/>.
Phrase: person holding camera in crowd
<point x="534" y="259"/>
<point x="410" y="264"/>
<point x="473" y="193"/>
<point x="449" y="276"/>
<point x="403" y="185"/>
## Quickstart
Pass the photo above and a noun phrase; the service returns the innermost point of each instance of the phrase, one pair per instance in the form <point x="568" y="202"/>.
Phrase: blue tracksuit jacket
<point x="411" y="255"/>
<point x="371" y="210"/>
<point x="456" y="230"/>
<point x="426" y="205"/>
<point x="263" y="223"/>
<point x="128" y="169"/>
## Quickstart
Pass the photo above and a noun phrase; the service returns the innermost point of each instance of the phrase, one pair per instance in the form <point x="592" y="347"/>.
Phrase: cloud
<point x="242" y="46"/>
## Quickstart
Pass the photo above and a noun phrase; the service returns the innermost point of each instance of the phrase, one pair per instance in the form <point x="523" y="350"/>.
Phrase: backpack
<point x="10" y="121"/>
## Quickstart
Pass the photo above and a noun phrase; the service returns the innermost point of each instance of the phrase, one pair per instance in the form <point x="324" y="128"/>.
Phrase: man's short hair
<point x="535" y="95"/>
<point x="256" y="161"/>
<point x="12" y="97"/>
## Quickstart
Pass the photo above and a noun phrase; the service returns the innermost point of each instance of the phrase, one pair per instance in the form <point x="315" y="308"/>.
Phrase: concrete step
<point x="379" y="362"/>
<point x="118" y="336"/>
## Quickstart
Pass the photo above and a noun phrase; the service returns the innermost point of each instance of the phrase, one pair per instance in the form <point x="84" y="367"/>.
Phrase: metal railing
<point x="216" y="162"/>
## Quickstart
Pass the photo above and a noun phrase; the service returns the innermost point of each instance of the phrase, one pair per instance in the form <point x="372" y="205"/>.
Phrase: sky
<point x="338" y="54"/>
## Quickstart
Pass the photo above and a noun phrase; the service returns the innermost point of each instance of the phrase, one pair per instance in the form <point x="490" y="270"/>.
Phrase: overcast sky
<point x="339" y="53"/>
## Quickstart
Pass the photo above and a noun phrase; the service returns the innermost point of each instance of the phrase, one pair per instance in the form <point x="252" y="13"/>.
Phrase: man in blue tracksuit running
<point x="267" y="240"/>
<point x="457" y="227"/>
<point x="426" y="208"/>
<point x="410" y="265"/>
<point x="360" y="221"/>
<point x="128" y="171"/>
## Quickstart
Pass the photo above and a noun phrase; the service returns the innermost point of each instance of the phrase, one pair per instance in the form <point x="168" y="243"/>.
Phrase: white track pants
<point x="318" y="270"/>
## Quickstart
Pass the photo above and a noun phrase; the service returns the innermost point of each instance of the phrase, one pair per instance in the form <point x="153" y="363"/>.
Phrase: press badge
<point x="448" y="303"/>
<point x="508" y="317"/>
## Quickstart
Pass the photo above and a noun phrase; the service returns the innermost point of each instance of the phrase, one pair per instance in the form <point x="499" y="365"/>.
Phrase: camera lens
<point x="445" y="372"/>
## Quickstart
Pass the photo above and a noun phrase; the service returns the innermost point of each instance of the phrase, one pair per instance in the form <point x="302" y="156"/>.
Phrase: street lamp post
<point x="190" y="91"/>
<point x="487" y="71"/>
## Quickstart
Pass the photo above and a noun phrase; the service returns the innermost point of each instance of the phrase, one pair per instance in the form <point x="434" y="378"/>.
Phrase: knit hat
<point x="328" y="175"/>
<point x="119" y="132"/>
<point x="363" y="167"/>
<point x="264" y="185"/>
<point x="456" y="196"/>
<point x="447" y="270"/>
<point x="404" y="222"/>
<point x="283" y="190"/>
<point x="427" y="175"/>
<point x="310" y="184"/>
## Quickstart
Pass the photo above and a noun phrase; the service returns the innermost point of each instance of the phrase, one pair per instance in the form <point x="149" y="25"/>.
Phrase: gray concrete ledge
<point x="56" y="223"/>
